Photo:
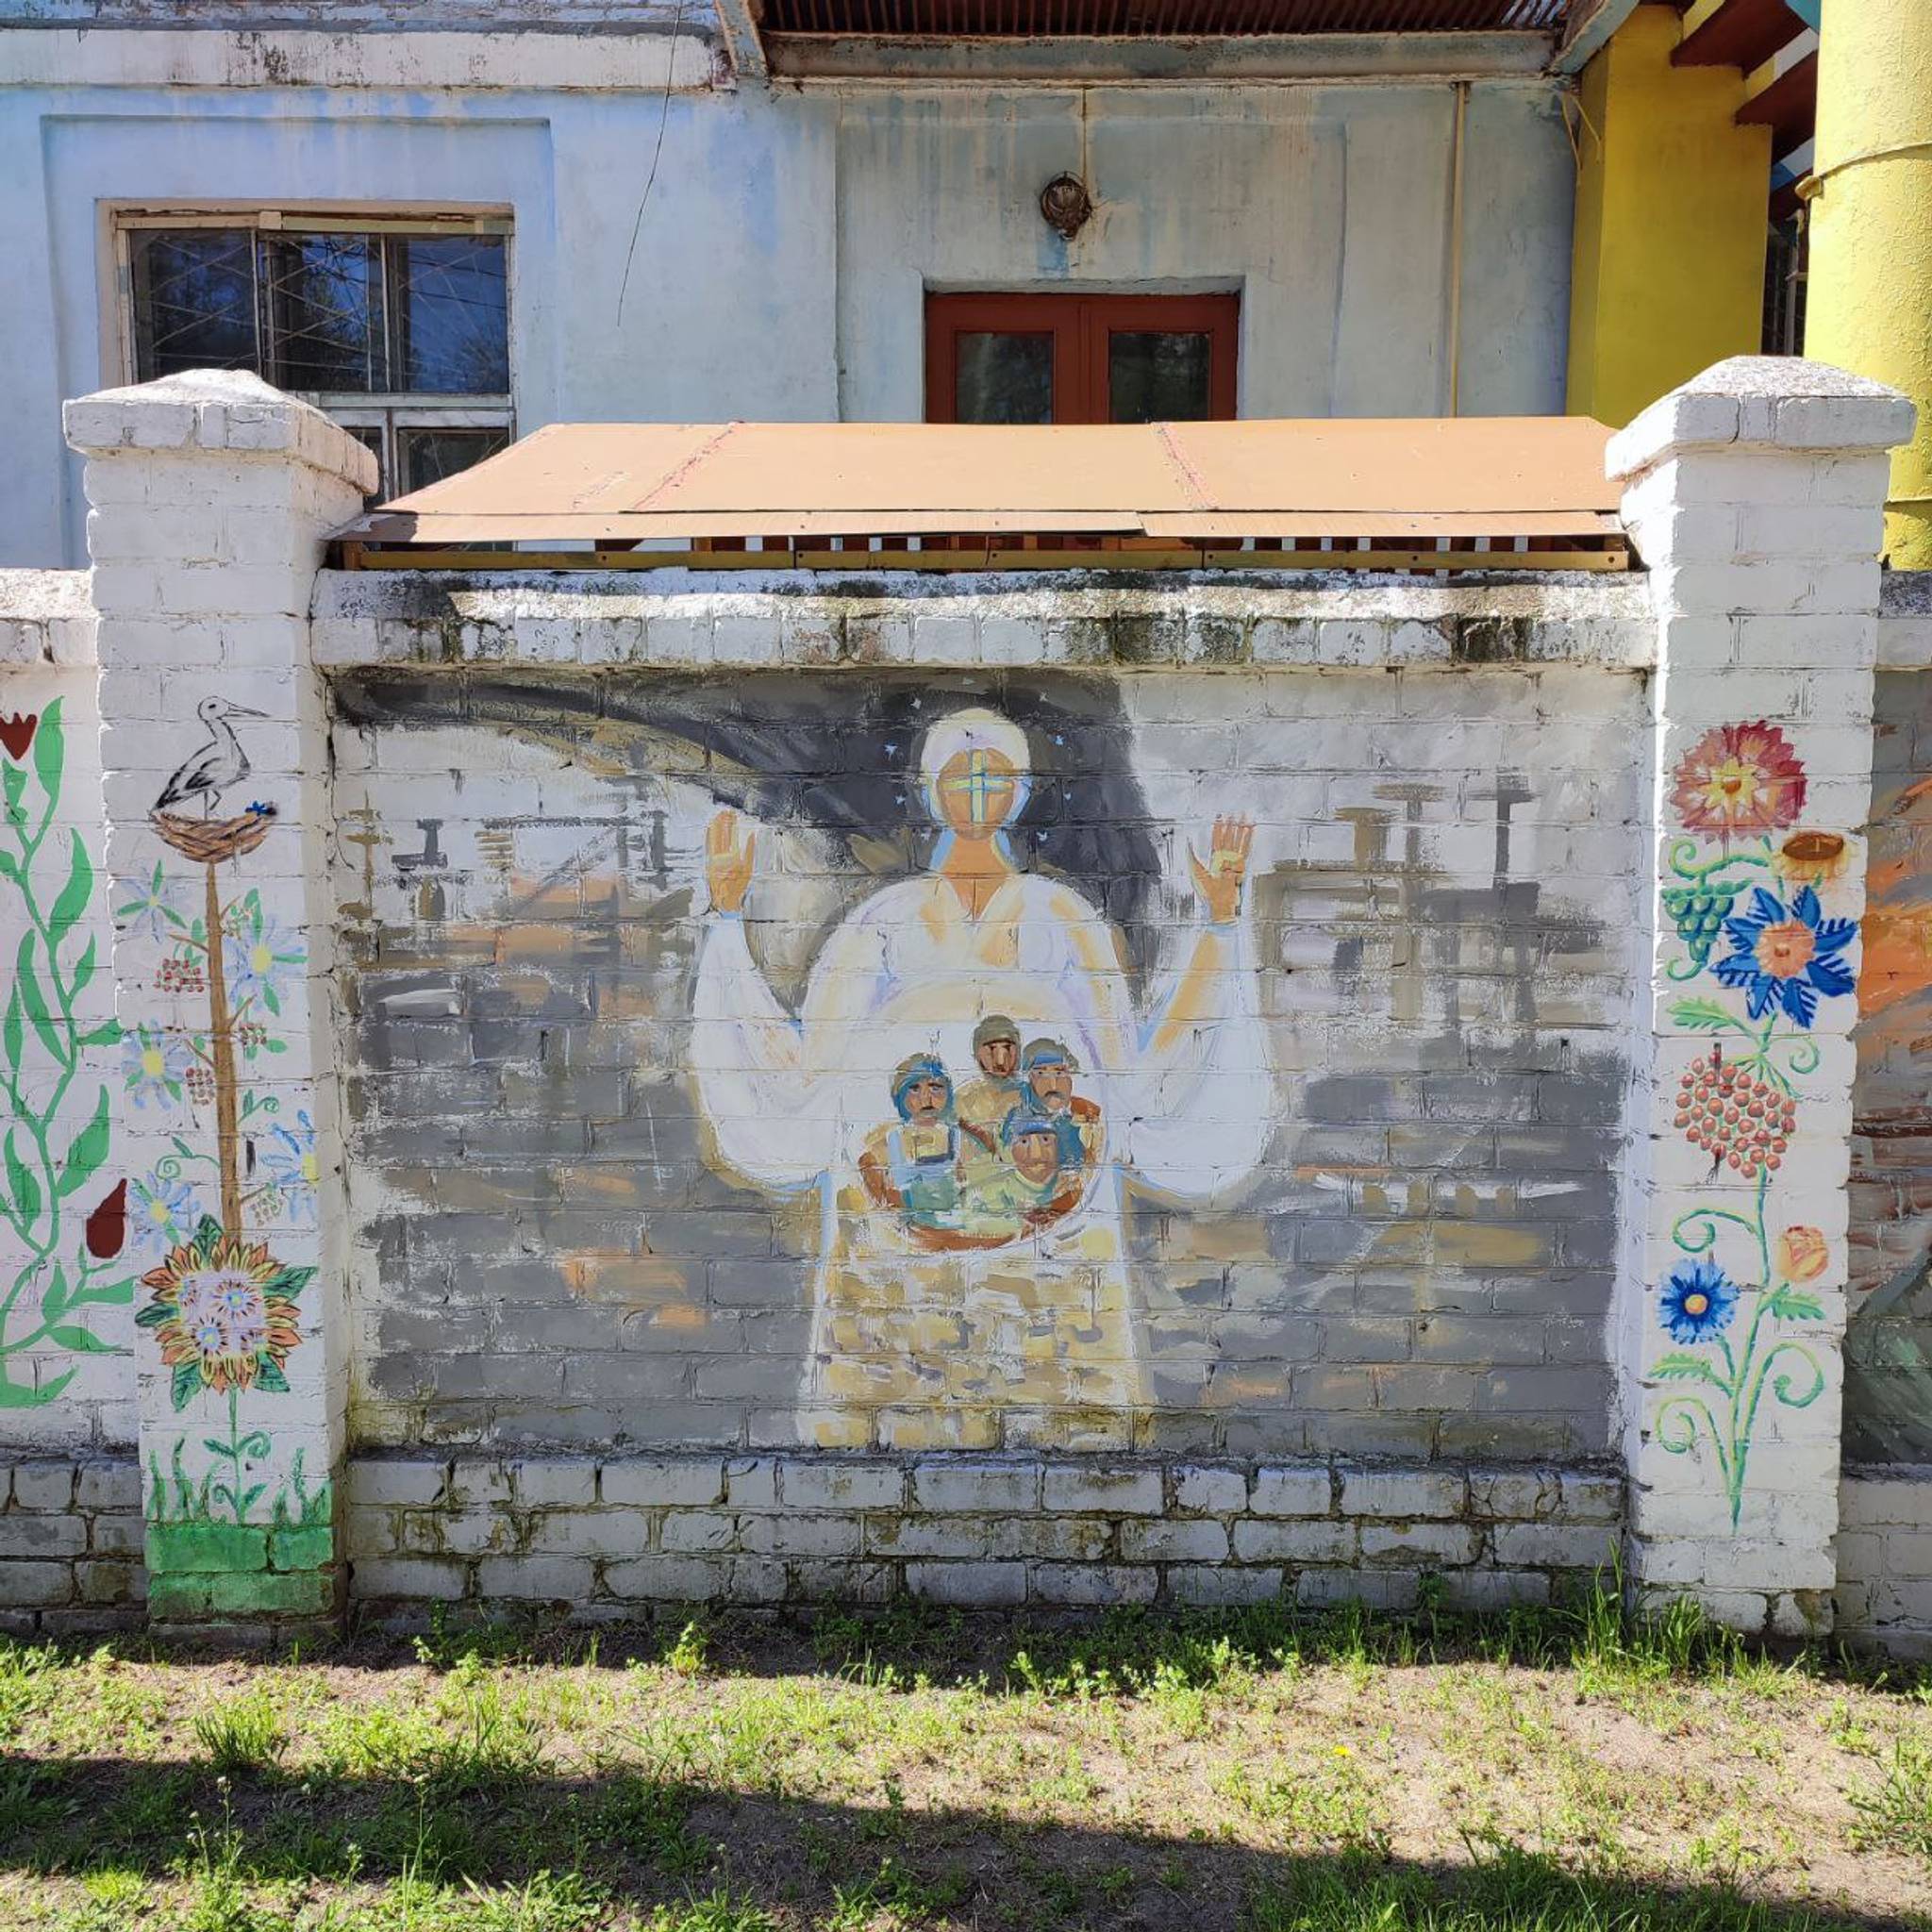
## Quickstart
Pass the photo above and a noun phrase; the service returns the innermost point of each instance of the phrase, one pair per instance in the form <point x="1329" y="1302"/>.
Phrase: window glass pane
<point x="1157" y="375"/>
<point x="427" y="456"/>
<point x="193" y="301"/>
<point x="1003" y="378"/>
<point x="325" y="305"/>
<point x="452" y="315"/>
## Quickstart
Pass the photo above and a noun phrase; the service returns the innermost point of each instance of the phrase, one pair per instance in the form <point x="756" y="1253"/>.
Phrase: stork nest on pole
<point x="210" y="840"/>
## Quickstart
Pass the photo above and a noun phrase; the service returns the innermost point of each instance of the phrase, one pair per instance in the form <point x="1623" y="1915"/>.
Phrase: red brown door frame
<point x="1080" y="327"/>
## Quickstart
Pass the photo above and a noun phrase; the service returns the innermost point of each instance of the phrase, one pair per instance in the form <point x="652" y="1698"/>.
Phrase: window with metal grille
<point x="399" y="329"/>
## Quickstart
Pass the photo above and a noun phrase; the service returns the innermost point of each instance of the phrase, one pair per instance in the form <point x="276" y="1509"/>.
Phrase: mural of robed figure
<point x="937" y="1322"/>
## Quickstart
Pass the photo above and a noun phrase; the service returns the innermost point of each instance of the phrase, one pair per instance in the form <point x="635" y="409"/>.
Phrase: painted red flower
<point x="1740" y="779"/>
<point x="17" y="733"/>
<point x="106" y="1228"/>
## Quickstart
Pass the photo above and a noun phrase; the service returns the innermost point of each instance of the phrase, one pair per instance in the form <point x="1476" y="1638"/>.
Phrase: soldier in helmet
<point x="984" y="1103"/>
<point x="1049" y="1069"/>
<point x="913" y="1163"/>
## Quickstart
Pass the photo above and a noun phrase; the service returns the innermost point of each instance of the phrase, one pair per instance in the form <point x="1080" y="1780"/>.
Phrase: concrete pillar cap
<point x="1763" y="402"/>
<point x="225" y="410"/>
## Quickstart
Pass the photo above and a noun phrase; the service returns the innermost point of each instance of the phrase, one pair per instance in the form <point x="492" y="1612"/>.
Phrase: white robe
<point x="1032" y="1342"/>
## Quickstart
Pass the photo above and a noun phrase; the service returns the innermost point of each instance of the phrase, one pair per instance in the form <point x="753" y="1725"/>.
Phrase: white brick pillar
<point x="212" y="495"/>
<point x="1755" y="495"/>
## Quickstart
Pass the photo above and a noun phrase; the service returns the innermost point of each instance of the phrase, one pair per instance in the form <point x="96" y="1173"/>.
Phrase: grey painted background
<point x="1443" y="885"/>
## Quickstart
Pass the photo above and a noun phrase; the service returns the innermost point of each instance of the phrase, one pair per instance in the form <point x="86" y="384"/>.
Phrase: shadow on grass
<point x="719" y="1861"/>
<point x="723" y="1855"/>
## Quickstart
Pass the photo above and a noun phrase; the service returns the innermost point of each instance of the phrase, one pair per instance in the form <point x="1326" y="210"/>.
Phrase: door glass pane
<point x="427" y="456"/>
<point x="325" y="301"/>
<point x="1157" y="375"/>
<point x="193" y="301"/>
<point x="1003" y="378"/>
<point x="452" y="318"/>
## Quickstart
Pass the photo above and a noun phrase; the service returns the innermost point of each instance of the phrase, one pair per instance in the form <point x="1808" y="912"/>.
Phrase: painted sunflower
<point x="1740" y="779"/>
<point x="223" y="1313"/>
<point x="1812" y="858"/>
<point x="1699" y="1300"/>
<point x="1786" y="955"/>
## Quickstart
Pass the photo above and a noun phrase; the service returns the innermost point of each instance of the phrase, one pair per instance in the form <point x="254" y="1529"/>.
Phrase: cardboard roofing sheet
<point x="1499" y="477"/>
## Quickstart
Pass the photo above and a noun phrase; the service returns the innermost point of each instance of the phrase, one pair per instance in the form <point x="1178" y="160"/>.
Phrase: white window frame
<point x="352" y="410"/>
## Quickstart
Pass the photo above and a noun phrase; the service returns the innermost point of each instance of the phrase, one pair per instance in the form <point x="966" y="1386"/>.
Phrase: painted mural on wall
<point x="888" y="1056"/>
<point x="64" y="1219"/>
<point x="1756" y="943"/>
<point x="223" y="1313"/>
<point x="1888" y="1340"/>
<point x="965" y="1085"/>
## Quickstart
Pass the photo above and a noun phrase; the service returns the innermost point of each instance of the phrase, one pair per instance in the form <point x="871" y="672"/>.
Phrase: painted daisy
<point x="1786" y="955"/>
<point x="1699" y="1300"/>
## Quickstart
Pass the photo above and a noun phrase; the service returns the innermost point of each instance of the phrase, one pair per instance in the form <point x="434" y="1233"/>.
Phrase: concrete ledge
<point x="685" y="620"/>
<point x="227" y="411"/>
<point x="1763" y="402"/>
<point x="593" y="1536"/>
<point x="46" y="617"/>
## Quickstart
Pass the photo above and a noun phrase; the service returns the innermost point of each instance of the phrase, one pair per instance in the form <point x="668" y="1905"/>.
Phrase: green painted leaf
<point x="1794" y="1305"/>
<point x="54" y="1302"/>
<point x="21" y="1188"/>
<point x="209" y="1233"/>
<point x="84" y="969"/>
<point x="269" y="1380"/>
<point x="1703" y="1016"/>
<point x="17" y="1395"/>
<point x="1679" y="1365"/>
<point x="153" y="1315"/>
<point x="8" y="870"/>
<point x="12" y="788"/>
<point x="80" y="1340"/>
<point x="187" y="1380"/>
<point x="89" y="1150"/>
<point x="50" y="751"/>
<point x="35" y="999"/>
<point x="107" y="1034"/>
<point x="107" y="1295"/>
<point x="78" y="890"/>
<point x="13" y="1034"/>
<point x="289" y="1281"/>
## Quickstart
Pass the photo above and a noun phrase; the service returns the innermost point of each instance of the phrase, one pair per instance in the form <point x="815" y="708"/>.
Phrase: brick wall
<point x="604" y="1537"/>
<point x="69" y="1544"/>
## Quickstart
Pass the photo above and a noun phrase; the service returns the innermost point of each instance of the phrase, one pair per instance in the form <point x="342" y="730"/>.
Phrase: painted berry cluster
<point x="1746" y="904"/>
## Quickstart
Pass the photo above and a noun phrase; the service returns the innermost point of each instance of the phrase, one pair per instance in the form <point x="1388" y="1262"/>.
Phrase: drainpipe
<point x="1869" y="289"/>
<point x="1456" y="203"/>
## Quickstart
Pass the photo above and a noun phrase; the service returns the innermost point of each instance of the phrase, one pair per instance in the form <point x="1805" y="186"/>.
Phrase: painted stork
<point x="220" y="763"/>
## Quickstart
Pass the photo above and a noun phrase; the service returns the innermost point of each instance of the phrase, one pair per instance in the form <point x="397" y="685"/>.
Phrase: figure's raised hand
<point x="1220" y="879"/>
<point x="727" y="862"/>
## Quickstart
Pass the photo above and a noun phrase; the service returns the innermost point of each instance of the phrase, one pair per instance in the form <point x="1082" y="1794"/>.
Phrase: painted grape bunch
<point x="1699" y="913"/>
<point x="1736" y="1118"/>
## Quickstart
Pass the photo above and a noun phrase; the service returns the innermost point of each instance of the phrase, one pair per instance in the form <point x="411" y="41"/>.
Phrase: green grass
<point x="1570" y="1770"/>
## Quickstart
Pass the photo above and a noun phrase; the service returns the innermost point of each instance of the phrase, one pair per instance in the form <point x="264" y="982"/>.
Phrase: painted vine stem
<point x="1736" y="1302"/>
<point x="224" y="1311"/>
<point x="67" y="1266"/>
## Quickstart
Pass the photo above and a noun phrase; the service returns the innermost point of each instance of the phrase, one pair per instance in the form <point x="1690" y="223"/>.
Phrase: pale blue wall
<point x="782" y="259"/>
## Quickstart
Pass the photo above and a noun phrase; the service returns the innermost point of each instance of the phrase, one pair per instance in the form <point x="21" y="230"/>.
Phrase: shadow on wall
<point x="1419" y="1266"/>
<point x="1889" y="1345"/>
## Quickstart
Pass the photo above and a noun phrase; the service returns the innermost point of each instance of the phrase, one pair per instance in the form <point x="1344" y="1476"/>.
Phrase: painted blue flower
<point x="164" y="1212"/>
<point x="1699" y="1300"/>
<point x="288" y="1158"/>
<point x="256" y="961"/>
<point x="1786" y="955"/>
<point x="150" y="905"/>
<point x="154" y="1064"/>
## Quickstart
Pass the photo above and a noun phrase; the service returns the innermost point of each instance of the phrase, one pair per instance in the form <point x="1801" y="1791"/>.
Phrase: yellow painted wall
<point x="1668" y="275"/>
<point x="1870" y="303"/>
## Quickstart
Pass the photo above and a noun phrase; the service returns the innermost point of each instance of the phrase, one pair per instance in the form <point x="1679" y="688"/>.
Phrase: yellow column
<point x="1869" y="300"/>
<point x="1668" y="272"/>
